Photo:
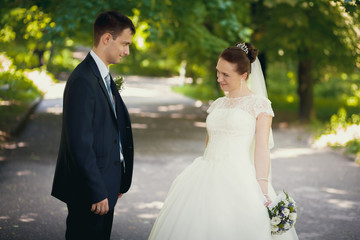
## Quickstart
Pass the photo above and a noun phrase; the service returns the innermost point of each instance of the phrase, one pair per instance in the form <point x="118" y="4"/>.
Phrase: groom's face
<point x="119" y="47"/>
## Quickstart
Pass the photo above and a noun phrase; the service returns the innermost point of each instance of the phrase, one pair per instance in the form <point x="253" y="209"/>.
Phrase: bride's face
<point x="227" y="76"/>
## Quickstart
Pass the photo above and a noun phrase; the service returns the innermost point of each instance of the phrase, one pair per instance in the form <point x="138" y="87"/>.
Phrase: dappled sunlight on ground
<point x="149" y="114"/>
<point x="134" y="110"/>
<point x="291" y="152"/>
<point x="138" y="92"/>
<point x="53" y="95"/>
<point x="335" y="191"/>
<point x="155" y="204"/>
<point x="147" y="215"/>
<point x="56" y="91"/>
<point x="341" y="203"/>
<point x="342" y="136"/>
<point x="28" y="217"/>
<point x="139" y="126"/>
<point x="53" y="102"/>
<point x="14" y="145"/>
<point x="24" y="173"/>
<point x="54" y="110"/>
<point x="168" y="108"/>
<point x="200" y="124"/>
<point x="40" y="78"/>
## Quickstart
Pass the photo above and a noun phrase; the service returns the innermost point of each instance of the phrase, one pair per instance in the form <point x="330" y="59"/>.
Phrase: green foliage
<point x="353" y="146"/>
<point x="174" y="34"/>
<point x="326" y="107"/>
<point x="319" y="37"/>
<point x="204" y="29"/>
<point x="200" y="92"/>
<point x="24" y="34"/>
<point x="316" y="30"/>
<point x="33" y="32"/>
<point x="17" y="88"/>
<point x="154" y="61"/>
<point x="336" y="91"/>
<point x="62" y="61"/>
<point x="16" y="94"/>
<point x="341" y="131"/>
<point x="341" y="120"/>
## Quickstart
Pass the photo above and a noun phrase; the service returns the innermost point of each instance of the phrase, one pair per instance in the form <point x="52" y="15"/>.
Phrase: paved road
<point x="169" y="133"/>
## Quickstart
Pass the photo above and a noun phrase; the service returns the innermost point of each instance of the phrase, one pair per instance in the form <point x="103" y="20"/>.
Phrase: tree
<point x="320" y="36"/>
<point x="48" y="24"/>
<point x="317" y="36"/>
<point x="203" y="28"/>
<point x="26" y="29"/>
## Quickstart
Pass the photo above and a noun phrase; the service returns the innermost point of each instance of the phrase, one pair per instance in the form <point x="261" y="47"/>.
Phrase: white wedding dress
<point x="217" y="196"/>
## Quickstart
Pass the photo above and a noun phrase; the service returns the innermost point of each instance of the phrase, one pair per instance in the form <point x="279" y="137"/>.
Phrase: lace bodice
<point x="252" y="104"/>
<point x="231" y="125"/>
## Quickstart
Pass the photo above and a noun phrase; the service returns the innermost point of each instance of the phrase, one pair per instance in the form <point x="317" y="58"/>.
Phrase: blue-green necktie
<point x="107" y="80"/>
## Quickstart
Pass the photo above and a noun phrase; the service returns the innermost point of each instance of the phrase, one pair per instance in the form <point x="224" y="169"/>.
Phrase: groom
<point x="95" y="162"/>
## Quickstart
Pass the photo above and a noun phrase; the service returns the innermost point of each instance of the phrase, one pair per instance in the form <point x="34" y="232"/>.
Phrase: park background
<point x="309" y="51"/>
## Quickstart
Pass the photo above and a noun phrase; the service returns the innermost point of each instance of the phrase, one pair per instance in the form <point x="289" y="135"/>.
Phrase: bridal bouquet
<point x="282" y="213"/>
<point x="119" y="82"/>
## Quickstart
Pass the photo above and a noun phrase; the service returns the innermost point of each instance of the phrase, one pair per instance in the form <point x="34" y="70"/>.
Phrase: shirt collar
<point x="104" y="70"/>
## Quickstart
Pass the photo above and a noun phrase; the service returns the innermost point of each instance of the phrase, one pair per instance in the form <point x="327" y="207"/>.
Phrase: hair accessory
<point x="243" y="47"/>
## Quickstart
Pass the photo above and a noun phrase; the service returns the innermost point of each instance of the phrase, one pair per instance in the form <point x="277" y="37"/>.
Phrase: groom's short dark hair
<point x="112" y="22"/>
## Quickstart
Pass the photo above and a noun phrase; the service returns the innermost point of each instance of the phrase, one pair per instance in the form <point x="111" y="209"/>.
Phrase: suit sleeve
<point x="79" y="105"/>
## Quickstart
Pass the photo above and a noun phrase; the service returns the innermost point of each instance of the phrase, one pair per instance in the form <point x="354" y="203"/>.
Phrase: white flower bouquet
<point x="282" y="213"/>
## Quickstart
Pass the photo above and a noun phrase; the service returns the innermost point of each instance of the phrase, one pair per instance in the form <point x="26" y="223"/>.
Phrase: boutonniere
<point x="119" y="82"/>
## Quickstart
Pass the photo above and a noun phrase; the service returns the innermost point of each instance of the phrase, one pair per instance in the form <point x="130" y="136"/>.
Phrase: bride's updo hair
<point x="237" y="54"/>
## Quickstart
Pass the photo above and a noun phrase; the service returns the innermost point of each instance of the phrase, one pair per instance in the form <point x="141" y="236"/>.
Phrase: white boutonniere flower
<point x="119" y="82"/>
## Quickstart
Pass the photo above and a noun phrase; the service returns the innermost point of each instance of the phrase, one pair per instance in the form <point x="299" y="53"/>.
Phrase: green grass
<point x="11" y="115"/>
<point x="285" y="106"/>
<point x="199" y="92"/>
<point x="16" y="95"/>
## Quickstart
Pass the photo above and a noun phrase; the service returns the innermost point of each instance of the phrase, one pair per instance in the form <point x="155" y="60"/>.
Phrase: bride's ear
<point x="244" y="76"/>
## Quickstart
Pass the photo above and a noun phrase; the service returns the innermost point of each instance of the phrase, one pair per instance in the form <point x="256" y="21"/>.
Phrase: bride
<point x="224" y="193"/>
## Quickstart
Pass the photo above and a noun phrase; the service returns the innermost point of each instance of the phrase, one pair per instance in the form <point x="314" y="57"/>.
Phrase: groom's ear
<point x="105" y="38"/>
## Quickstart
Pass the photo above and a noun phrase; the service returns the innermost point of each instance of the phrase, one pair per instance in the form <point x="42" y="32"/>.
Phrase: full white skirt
<point x="212" y="201"/>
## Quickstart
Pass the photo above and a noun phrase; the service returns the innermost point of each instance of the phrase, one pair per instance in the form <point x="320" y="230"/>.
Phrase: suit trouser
<point x="81" y="223"/>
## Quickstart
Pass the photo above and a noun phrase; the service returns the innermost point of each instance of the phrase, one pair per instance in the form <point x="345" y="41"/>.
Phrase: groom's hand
<point x="101" y="207"/>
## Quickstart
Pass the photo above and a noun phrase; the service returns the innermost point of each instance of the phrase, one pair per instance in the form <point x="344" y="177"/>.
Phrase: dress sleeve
<point x="263" y="105"/>
<point x="213" y="105"/>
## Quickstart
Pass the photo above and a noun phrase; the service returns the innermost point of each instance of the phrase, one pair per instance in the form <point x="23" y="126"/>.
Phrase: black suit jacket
<point x="88" y="167"/>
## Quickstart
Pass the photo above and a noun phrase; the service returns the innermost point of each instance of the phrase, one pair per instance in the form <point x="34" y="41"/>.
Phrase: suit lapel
<point x="96" y="72"/>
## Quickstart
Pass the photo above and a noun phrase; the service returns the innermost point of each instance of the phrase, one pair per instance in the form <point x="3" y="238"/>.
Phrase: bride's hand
<point x="268" y="200"/>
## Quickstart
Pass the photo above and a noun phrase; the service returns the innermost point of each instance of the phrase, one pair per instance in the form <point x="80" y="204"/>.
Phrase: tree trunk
<point x="262" y="59"/>
<point x="305" y="90"/>
<point x="40" y="55"/>
<point x="257" y="11"/>
<point x="52" y="50"/>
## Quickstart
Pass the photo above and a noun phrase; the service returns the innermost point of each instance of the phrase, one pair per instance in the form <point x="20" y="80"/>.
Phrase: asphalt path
<point x="169" y="133"/>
